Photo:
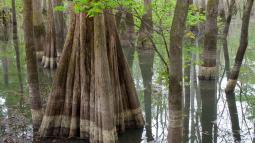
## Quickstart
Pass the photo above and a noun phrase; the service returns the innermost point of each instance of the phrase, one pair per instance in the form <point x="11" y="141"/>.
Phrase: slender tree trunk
<point x="233" y="76"/>
<point x="146" y="29"/>
<point x="49" y="59"/>
<point x="16" y="45"/>
<point x="5" y="35"/>
<point x="175" y="90"/>
<point x="234" y="116"/>
<point x="208" y="69"/>
<point x="227" y="22"/>
<point x="36" y="107"/>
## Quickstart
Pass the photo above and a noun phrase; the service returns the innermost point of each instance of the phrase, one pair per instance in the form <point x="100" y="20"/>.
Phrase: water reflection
<point x="209" y="111"/>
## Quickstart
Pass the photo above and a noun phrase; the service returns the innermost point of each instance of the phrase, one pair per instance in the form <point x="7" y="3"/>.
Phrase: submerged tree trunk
<point x="227" y="22"/>
<point x="175" y="89"/>
<point x="36" y="107"/>
<point x="208" y="69"/>
<point x="234" y="116"/>
<point x="39" y="28"/>
<point x="16" y="45"/>
<point x="49" y="59"/>
<point x="242" y="48"/>
<point x="94" y="96"/>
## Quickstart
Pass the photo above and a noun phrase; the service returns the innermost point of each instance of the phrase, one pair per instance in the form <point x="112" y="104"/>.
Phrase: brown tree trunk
<point x="94" y="96"/>
<point x="49" y="59"/>
<point x="227" y="21"/>
<point x="146" y="29"/>
<point x="39" y="28"/>
<point x="208" y="69"/>
<point x="59" y="26"/>
<point x="175" y="69"/>
<point x="233" y="76"/>
<point x="36" y="107"/>
<point x="16" y="45"/>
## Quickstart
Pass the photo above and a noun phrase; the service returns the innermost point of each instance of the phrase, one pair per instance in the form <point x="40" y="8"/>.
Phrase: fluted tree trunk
<point x="36" y="107"/>
<point x="49" y="59"/>
<point x="175" y="89"/>
<point x="233" y="76"/>
<point x="94" y="96"/>
<point x="16" y="45"/>
<point x="208" y="69"/>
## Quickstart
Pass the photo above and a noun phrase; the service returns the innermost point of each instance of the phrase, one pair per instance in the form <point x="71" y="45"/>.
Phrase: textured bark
<point x="146" y="29"/>
<point x="38" y="24"/>
<point x="16" y="46"/>
<point x="208" y="69"/>
<point x="94" y="96"/>
<point x="49" y="59"/>
<point x="175" y="89"/>
<point x="241" y="50"/>
<point x="36" y="107"/>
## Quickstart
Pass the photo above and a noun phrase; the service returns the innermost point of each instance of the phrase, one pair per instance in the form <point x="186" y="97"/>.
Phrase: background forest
<point x="128" y="71"/>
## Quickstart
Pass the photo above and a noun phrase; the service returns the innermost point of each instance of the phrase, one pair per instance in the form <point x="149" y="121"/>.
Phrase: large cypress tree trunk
<point x="233" y="76"/>
<point x="36" y="107"/>
<point x="175" y="69"/>
<point x="49" y="59"/>
<point x="208" y="69"/>
<point x="16" y="45"/>
<point x="94" y="96"/>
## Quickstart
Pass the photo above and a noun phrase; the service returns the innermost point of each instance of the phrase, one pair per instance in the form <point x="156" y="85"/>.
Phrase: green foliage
<point x="195" y="16"/>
